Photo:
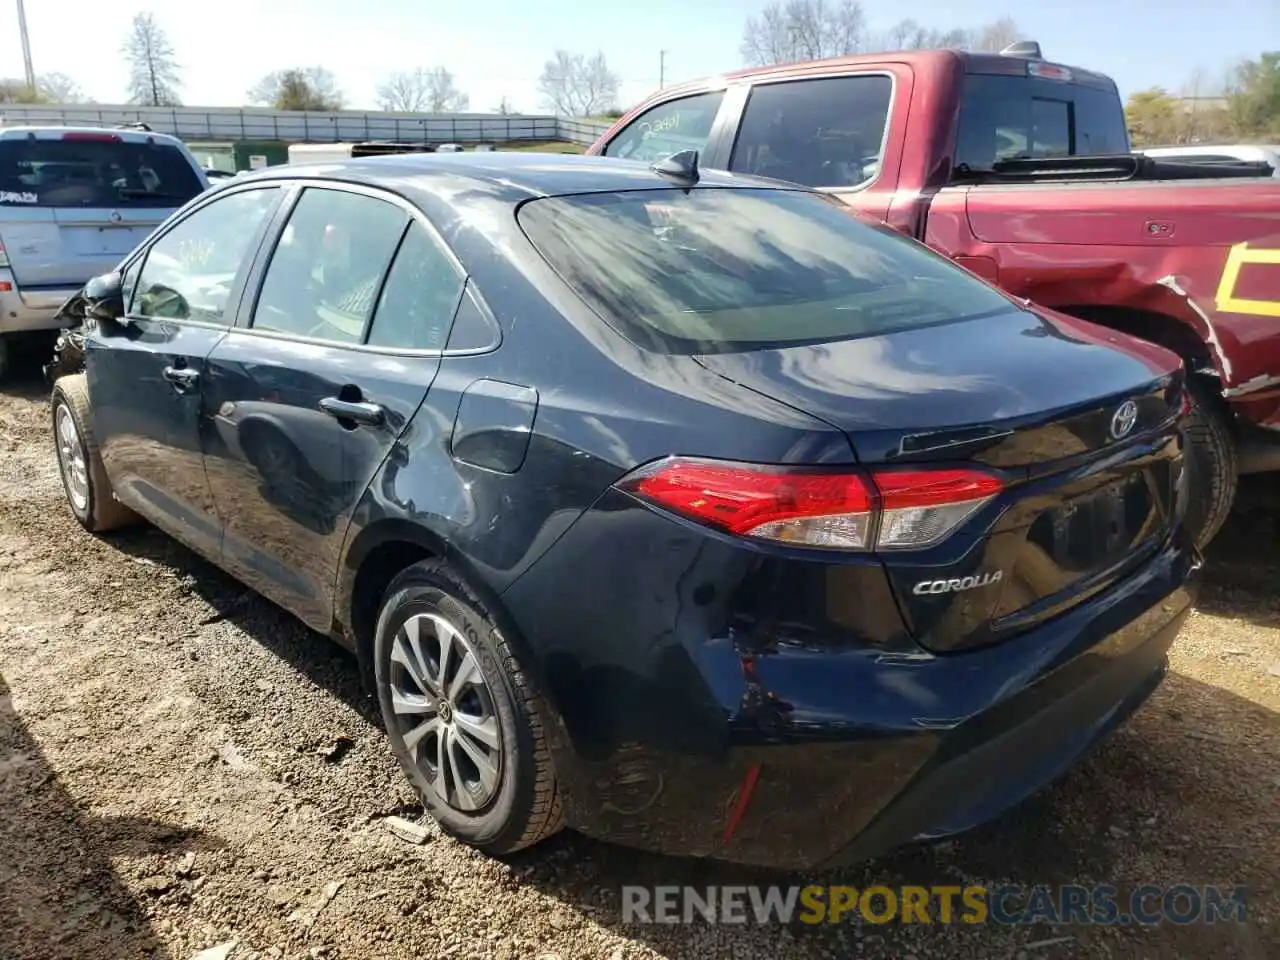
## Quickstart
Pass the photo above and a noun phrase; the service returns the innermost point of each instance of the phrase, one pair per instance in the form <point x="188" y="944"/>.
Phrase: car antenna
<point x="679" y="166"/>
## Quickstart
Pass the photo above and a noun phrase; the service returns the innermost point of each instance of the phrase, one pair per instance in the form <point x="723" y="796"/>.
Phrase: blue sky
<point x="496" y="48"/>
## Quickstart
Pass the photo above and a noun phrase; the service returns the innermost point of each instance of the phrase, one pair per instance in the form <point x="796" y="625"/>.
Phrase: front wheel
<point x="463" y="717"/>
<point x="84" y="478"/>
<point x="1211" y="465"/>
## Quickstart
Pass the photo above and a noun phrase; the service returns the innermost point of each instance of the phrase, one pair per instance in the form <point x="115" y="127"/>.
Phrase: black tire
<point x="6" y="355"/>
<point x="1211" y="465"/>
<point x="96" y="508"/>
<point x="524" y="808"/>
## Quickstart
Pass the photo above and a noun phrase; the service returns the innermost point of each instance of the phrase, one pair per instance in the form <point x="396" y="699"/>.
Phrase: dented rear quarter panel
<point x="1205" y="253"/>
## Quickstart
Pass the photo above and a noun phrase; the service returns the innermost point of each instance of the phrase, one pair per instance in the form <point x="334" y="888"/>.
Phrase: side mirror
<point x="104" y="298"/>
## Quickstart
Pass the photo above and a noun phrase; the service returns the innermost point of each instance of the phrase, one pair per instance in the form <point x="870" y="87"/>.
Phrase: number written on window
<point x="189" y="272"/>
<point x="668" y="128"/>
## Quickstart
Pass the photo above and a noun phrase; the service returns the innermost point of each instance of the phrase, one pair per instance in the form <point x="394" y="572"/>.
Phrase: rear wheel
<point x="1211" y="464"/>
<point x="84" y="478"/>
<point x="463" y="717"/>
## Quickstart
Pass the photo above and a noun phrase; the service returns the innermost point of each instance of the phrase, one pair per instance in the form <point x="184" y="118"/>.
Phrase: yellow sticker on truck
<point x="1238" y="257"/>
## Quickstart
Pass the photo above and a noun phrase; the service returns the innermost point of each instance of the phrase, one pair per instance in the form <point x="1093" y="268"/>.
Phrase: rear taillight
<point x="889" y="509"/>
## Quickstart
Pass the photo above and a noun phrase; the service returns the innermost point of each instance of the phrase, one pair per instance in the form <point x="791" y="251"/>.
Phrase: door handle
<point x="181" y="377"/>
<point x="368" y="413"/>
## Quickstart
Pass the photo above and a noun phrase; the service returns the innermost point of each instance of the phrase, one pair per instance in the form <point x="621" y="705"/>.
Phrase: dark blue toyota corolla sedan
<point x="685" y="510"/>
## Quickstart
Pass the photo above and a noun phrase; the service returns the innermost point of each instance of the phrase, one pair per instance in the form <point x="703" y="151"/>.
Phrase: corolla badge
<point x="957" y="584"/>
<point x="1123" y="419"/>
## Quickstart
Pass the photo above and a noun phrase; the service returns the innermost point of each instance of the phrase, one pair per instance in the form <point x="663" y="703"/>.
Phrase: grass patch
<point x="554" y="147"/>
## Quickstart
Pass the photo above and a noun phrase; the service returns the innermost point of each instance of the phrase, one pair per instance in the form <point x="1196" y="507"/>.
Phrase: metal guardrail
<point x="232" y="123"/>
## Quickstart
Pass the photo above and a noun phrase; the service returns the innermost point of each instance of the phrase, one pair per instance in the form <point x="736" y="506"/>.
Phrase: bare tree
<point x="573" y="85"/>
<point x="995" y="36"/>
<point x="804" y="30"/>
<point x="503" y="107"/>
<point x="153" y="68"/>
<point x="404" y="91"/>
<point x="443" y="95"/>
<point x="59" y="88"/>
<point x="910" y="35"/>
<point x="298" y="88"/>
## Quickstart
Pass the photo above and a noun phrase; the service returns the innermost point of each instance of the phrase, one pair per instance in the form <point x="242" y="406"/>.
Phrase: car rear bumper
<point x="754" y="743"/>
<point x="27" y="310"/>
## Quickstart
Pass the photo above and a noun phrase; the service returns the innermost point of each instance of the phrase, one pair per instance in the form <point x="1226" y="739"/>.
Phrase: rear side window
<point x="821" y="133"/>
<point x="327" y="267"/>
<point x="419" y="298"/>
<point x="1010" y="117"/>
<point x="668" y="128"/>
<point x="717" y="270"/>
<point x="96" y="171"/>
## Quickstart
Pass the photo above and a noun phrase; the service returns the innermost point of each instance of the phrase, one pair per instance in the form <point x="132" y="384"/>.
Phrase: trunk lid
<point x="1082" y="424"/>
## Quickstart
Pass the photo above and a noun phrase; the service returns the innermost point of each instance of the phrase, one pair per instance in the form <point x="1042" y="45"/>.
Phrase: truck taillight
<point x="888" y="509"/>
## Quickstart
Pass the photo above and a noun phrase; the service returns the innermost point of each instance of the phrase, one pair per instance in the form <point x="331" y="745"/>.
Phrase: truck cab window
<point x="668" y="128"/>
<point x="821" y="133"/>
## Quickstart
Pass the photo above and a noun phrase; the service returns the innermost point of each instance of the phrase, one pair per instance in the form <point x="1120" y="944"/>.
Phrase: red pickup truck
<point x="1021" y="171"/>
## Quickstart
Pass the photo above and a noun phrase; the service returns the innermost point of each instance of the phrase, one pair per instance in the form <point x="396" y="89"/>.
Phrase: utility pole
<point x="662" y="64"/>
<point x="26" y="47"/>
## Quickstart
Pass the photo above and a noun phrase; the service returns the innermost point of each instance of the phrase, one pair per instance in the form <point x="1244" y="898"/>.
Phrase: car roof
<point x="49" y="131"/>
<point x="511" y="175"/>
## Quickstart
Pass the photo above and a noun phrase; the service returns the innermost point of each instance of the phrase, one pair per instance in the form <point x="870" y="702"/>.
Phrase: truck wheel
<point x="5" y="354"/>
<point x="84" y="478"/>
<point x="1211" y="465"/>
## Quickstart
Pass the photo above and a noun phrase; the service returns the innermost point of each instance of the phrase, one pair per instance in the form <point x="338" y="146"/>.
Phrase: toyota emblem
<point x="1123" y="419"/>
<point x="115" y="216"/>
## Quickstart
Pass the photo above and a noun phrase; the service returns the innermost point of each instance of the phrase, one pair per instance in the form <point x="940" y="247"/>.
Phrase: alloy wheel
<point x="445" y="712"/>
<point x="71" y="459"/>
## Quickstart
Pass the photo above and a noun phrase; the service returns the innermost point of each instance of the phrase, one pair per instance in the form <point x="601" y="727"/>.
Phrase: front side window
<point x="668" y="128"/>
<point x="328" y="265"/>
<point x="188" y="273"/>
<point x="821" y="133"/>
<point x="714" y="270"/>
<point x="419" y="298"/>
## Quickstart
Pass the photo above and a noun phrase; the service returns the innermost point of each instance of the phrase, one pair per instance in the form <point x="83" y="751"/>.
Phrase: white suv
<point x="74" y="201"/>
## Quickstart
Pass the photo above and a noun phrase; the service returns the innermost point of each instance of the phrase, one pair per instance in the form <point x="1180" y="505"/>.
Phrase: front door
<point x="309" y="393"/>
<point x="146" y="374"/>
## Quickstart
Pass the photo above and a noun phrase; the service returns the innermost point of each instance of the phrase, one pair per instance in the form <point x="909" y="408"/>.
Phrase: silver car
<point x="73" y="202"/>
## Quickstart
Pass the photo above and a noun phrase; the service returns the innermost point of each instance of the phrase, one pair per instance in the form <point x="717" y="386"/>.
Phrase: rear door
<point x="146" y="375"/>
<point x="309" y="393"/>
<point x="74" y="203"/>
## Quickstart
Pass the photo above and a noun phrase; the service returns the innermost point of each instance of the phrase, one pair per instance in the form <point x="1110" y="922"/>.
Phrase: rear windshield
<point x="94" y="173"/>
<point x="1010" y="117"/>
<point x="716" y="270"/>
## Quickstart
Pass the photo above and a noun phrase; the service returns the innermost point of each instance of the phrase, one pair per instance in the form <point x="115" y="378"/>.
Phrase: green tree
<point x="1253" y="100"/>
<point x="1153" y="117"/>
<point x="298" y="88"/>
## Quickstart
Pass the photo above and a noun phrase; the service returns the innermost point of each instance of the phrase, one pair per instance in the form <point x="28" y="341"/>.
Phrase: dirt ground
<point x="182" y="765"/>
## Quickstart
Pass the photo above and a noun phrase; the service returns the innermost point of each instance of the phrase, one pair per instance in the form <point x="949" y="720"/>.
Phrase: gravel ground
<point x="184" y="766"/>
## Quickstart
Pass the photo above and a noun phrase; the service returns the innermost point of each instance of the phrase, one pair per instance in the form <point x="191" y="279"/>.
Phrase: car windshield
<point x="94" y="173"/>
<point x="715" y="270"/>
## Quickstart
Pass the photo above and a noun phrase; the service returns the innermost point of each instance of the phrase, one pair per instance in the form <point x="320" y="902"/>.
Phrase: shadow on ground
<point x="60" y="897"/>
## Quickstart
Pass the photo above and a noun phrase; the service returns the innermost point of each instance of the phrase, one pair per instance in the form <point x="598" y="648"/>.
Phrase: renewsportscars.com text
<point x="1102" y="905"/>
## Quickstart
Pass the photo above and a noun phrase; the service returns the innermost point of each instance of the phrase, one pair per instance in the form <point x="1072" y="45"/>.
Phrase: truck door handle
<point x="182" y="378"/>
<point x="368" y="413"/>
